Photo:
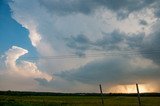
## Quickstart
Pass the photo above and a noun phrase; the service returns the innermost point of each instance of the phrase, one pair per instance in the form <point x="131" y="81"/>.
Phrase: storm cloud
<point x="105" y="41"/>
<point x="123" y="8"/>
<point x="115" y="70"/>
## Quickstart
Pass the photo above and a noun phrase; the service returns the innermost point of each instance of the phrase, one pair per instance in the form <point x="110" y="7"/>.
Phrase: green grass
<point x="76" y="101"/>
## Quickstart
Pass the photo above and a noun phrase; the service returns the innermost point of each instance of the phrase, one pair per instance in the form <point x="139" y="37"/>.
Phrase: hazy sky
<point x="75" y="45"/>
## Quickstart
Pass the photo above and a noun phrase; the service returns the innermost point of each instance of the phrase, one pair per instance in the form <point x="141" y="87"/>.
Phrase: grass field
<point x="76" y="101"/>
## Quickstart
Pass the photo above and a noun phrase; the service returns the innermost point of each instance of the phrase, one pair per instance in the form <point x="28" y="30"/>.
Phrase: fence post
<point x="101" y="94"/>
<point x="139" y="101"/>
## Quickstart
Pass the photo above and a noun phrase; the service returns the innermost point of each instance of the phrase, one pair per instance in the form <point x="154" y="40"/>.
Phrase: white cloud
<point x="28" y="20"/>
<point x="20" y="75"/>
<point x="12" y="55"/>
<point x="24" y="68"/>
<point x="34" y="36"/>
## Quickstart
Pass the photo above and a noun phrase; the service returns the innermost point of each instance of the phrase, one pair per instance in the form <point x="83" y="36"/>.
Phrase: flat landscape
<point x="76" y="100"/>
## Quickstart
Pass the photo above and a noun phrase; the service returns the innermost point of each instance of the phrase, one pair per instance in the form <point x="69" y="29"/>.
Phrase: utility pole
<point x="101" y="94"/>
<point x="139" y="101"/>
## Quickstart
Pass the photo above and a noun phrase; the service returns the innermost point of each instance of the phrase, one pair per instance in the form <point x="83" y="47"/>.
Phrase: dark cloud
<point x="135" y="41"/>
<point x="96" y="72"/>
<point x="122" y="8"/>
<point x="80" y="43"/>
<point x="116" y="39"/>
<point x="63" y="7"/>
<point x="114" y="70"/>
<point x="151" y="47"/>
<point x="61" y="85"/>
<point x="42" y="81"/>
<point x="147" y="46"/>
<point x="143" y="22"/>
<point x="109" y="41"/>
<point x="157" y="13"/>
<point x="157" y="9"/>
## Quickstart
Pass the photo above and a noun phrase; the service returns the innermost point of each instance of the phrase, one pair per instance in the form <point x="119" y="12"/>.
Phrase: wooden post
<point x="101" y="94"/>
<point x="139" y="101"/>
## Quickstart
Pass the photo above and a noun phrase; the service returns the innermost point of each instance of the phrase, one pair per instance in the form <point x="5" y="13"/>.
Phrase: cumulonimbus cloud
<point x="92" y="26"/>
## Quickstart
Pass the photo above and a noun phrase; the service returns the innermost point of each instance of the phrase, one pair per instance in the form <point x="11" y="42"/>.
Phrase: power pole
<point x="139" y="101"/>
<point x="101" y="94"/>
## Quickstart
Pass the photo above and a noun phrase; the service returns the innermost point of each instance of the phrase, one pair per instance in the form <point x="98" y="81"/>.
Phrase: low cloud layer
<point x="115" y="70"/>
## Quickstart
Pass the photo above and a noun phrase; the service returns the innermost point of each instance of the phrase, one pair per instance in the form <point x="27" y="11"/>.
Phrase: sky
<point x="75" y="45"/>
